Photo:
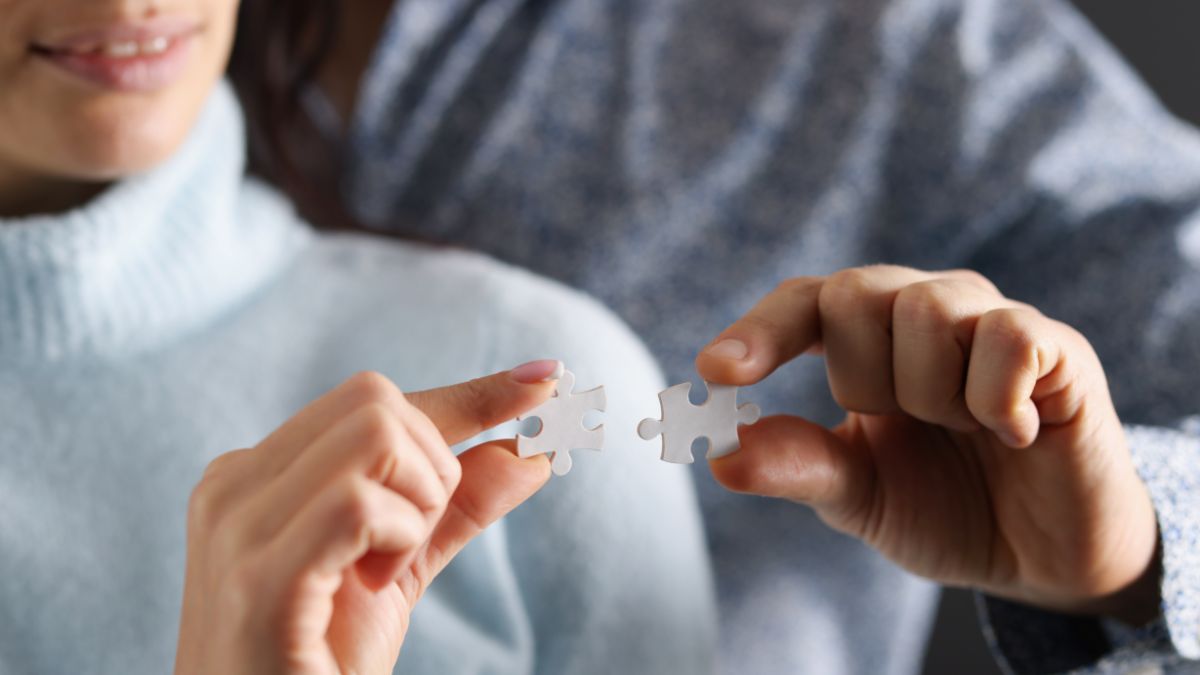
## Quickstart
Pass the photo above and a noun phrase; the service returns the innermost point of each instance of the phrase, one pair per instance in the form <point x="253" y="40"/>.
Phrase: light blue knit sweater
<point x="186" y="312"/>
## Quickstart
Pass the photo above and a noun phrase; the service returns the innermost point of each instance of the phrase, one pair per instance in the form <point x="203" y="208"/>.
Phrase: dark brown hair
<point x="279" y="49"/>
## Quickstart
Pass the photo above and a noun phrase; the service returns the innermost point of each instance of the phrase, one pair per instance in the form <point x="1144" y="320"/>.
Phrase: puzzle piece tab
<point x="716" y="419"/>
<point x="562" y="425"/>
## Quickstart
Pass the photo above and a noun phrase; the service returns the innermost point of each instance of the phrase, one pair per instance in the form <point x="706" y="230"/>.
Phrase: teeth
<point x="156" y="46"/>
<point x="121" y="50"/>
<point x="129" y="49"/>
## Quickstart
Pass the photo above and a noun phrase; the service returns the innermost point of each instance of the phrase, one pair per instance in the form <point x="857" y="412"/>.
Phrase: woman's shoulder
<point x="466" y="302"/>
<point x="451" y="278"/>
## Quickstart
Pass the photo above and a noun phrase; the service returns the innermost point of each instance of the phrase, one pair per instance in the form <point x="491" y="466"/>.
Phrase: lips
<point x="143" y="56"/>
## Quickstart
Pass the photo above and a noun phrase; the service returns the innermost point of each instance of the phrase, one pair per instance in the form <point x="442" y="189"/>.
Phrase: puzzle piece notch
<point x="562" y="425"/>
<point x="683" y="422"/>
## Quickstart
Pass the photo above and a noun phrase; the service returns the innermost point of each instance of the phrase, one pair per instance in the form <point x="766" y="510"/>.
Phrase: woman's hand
<point x="307" y="552"/>
<point x="981" y="447"/>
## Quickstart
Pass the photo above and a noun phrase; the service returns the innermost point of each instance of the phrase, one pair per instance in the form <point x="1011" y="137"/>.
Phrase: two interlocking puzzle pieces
<point x="682" y="422"/>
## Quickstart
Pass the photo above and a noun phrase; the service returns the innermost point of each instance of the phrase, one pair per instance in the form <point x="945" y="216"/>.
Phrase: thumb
<point x="783" y="325"/>
<point x="494" y="482"/>
<point x="794" y="459"/>
<point x="463" y="410"/>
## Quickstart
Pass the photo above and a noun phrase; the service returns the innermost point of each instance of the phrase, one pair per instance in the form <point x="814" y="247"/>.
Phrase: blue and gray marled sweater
<point x="680" y="157"/>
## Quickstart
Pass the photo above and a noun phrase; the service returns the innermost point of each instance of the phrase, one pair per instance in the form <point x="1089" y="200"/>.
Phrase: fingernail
<point x="735" y="350"/>
<point x="536" y="372"/>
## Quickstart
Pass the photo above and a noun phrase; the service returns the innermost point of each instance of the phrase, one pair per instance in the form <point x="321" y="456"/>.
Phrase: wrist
<point x="1137" y="603"/>
<point x="1126" y="588"/>
<point x="1140" y="602"/>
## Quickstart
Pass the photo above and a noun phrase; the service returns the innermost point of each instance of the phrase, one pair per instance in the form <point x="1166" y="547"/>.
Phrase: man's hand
<point x="981" y="447"/>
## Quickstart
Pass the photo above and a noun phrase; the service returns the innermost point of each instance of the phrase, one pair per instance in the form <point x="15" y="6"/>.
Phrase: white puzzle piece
<point x="716" y="419"/>
<point x="562" y="425"/>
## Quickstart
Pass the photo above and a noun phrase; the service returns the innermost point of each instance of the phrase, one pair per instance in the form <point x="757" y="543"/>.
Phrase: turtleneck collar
<point x="153" y="257"/>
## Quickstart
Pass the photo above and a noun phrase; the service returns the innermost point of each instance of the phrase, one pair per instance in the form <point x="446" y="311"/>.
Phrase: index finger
<point x="783" y="325"/>
<point x="458" y="411"/>
<point x="461" y="411"/>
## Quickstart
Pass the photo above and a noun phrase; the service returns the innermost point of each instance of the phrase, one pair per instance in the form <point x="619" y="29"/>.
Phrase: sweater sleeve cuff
<point x="1169" y="463"/>
<point x="1029" y="640"/>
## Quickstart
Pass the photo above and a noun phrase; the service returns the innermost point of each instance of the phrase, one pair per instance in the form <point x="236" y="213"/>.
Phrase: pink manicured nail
<point x="735" y="350"/>
<point x="536" y="372"/>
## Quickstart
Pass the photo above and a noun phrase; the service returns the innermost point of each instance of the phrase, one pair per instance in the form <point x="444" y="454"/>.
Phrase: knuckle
<point x="229" y="535"/>
<point x="413" y="530"/>
<point x="451" y="471"/>
<point x="1008" y="328"/>
<point x="847" y="293"/>
<point x="225" y="464"/>
<point x="975" y="278"/>
<point x="798" y="285"/>
<point x="440" y="458"/>
<point x="848" y="284"/>
<point x="925" y="307"/>
<point x="378" y="429"/>
<point x="202" y="507"/>
<point x="1075" y="339"/>
<point x="381" y="443"/>
<point x="884" y="269"/>
<point x="205" y="502"/>
<point x="1029" y="309"/>
<point x="354" y="508"/>
<point x="427" y="493"/>
<point x="369" y="386"/>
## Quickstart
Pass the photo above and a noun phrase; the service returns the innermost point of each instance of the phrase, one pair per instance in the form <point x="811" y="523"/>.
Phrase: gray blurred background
<point x="1159" y="38"/>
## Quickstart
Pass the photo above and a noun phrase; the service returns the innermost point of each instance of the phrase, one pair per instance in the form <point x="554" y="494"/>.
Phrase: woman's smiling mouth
<point x="142" y="56"/>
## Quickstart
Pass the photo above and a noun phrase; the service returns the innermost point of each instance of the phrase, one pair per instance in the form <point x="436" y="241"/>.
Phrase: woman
<point x="158" y="310"/>
<point x="681" y="159"/>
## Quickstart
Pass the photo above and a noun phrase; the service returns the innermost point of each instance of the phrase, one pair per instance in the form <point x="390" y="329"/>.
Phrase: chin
<point x="115" y="139"/>
<point x="123" y="153"/>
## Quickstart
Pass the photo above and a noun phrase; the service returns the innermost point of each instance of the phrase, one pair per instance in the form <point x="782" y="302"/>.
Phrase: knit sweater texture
<point x="679" y="158"/>
<point x="187" y="312"/>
